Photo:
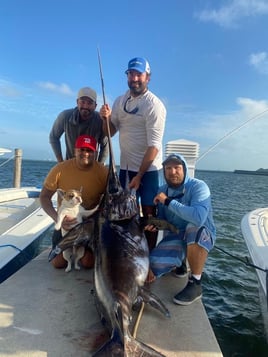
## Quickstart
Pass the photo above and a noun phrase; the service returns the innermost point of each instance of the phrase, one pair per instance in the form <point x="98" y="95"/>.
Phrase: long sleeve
<point x="103" y="150"/>
<point x="55" y="135"/>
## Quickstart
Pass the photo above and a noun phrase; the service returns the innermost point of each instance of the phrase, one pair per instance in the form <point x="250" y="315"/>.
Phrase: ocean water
<point x="33" y="172"/>
<point x="230" y="294"/>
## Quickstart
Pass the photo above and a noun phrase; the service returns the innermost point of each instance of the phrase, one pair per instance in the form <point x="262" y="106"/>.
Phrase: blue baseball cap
<point x="139" y="64"/>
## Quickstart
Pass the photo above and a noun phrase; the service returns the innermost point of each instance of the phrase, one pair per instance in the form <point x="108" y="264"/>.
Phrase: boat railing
<point x="7" y="160"/>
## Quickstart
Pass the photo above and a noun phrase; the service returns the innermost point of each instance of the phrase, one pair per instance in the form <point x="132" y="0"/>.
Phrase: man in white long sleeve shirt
<point x="139" y="116"/>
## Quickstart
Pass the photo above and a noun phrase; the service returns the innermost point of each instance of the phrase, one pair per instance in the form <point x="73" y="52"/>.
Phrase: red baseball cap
<point x="86" y="141"/>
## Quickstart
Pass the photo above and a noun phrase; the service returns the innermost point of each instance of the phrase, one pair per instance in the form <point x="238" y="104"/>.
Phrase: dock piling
<point x="17" y="168"/>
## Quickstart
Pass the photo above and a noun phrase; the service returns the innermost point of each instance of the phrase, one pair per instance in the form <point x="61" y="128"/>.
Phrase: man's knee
<point x="87" y="261"/>
<point x="59" y="262"/>
<point x="199" y="236"/>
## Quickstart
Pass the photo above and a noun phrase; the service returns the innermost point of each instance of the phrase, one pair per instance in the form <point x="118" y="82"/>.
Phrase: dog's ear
<point x="81" y="189"/>
<point x="60" y="192"/>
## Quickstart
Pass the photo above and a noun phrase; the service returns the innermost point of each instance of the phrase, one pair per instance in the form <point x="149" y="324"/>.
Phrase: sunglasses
<point x="133" y="111"/>
<point x="180" y="195"/>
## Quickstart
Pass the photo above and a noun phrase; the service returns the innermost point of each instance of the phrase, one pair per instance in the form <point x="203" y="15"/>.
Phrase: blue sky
<point x="209" y="62"/>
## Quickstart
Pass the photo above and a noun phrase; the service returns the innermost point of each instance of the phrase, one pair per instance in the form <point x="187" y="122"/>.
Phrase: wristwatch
<point x="167" y="201"/>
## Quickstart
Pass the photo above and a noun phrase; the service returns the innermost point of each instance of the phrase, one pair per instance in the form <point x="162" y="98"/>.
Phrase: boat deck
<point x="22" y="222"/>
<point x="47" y="312"/>
<point x="15" y="205"/>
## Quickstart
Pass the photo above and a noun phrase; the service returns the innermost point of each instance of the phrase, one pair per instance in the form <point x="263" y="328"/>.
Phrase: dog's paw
<point x="69" y="268"/>
<point x="77" y="267"/>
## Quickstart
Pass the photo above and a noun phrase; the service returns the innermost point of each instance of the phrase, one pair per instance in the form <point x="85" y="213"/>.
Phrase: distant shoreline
<point x="263" y="172"/>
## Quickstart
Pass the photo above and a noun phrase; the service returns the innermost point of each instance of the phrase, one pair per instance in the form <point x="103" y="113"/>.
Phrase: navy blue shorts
<point x="148" y="188"/>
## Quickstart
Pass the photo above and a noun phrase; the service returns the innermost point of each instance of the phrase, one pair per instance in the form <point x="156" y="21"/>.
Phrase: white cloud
<point x="8" y="89"/>
<point x="252" y="107"/>
<point x="259" y="61"/>
<point x="62" y="88"/>
<point x="230" y="14"/>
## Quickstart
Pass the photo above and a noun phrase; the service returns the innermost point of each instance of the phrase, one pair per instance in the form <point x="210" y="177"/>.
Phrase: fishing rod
<point x="104" y="99"/>
<point x="230" y="133"/>
<point x="101" y="77"/>
<point x="112" y="166"/>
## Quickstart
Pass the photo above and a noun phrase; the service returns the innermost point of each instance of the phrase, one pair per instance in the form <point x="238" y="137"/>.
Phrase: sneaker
<point x="191" y="293"/>
<point x="181" y="272"/>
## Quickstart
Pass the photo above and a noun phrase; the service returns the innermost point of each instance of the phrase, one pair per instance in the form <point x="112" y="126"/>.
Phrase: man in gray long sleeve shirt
<point x="81" y="120"/>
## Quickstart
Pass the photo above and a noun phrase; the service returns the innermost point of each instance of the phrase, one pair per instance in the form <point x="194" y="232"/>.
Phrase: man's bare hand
<point x="105" y="112"/>
<point x="160" y="198"/>
<point x="68" y="223"/>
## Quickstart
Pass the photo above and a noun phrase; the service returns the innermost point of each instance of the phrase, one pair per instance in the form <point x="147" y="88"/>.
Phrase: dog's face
<point x="70" y="198"/>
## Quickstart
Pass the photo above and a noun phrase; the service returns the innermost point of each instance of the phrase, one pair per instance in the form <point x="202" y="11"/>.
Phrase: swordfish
<point x="121" y="268"/>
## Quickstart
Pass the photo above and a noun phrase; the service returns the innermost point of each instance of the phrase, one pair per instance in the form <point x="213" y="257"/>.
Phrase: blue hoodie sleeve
<point x="196" y="204"/>
<point x="161" y="208"/>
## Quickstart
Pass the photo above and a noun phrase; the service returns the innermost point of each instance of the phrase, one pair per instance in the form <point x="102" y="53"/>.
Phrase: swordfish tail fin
<point x="135" y="348"/>
<point x="132" y="348"/>
<point x="112" y="348"/>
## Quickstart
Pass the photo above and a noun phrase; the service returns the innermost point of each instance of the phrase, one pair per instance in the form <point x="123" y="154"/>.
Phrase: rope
<point x="5" y="162"/>
<point x="135" y="328"/>
<point x="247" y="262"/>
<point x="12" y="246"/>
<point x="28" y="257"/>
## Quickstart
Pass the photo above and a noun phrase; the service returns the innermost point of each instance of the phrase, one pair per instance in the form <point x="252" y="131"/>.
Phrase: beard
<point x="174" y="183"/>
<point x="137" y="88"/>
<point x="85" y="113"/>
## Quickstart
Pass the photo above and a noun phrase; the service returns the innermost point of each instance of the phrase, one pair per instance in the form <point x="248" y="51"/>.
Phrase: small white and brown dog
<point x="70" y="205"/>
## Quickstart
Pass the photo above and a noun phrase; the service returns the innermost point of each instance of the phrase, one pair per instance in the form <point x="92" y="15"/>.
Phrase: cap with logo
<point x="86" y="141"/>
<point x="139" y="64"/>
<point x="173" y="158"/>
<point x="87" y="92"/>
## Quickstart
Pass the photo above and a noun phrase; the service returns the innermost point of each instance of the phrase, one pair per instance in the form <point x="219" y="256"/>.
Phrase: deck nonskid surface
<point x="47" y="312"/>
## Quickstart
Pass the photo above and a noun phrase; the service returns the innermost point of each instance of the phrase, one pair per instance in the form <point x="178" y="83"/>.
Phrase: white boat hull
<point x="22" y="221"/>
<point x="254" y="227"/>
